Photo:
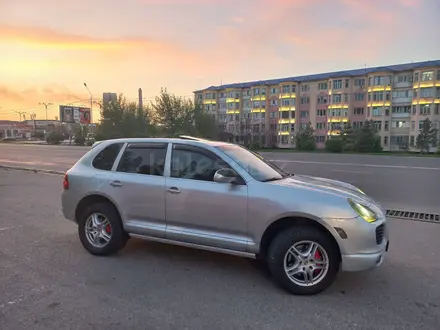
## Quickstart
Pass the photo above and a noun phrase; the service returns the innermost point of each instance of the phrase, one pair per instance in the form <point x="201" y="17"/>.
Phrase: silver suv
<point x="222" y="197"/>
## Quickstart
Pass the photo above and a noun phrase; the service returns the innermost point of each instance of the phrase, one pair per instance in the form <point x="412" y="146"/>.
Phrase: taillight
<point x="66" y="182"/>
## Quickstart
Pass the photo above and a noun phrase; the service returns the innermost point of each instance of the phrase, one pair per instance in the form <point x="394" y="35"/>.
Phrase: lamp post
<point x="91" y="103"/>
<point x="46" y="105"/>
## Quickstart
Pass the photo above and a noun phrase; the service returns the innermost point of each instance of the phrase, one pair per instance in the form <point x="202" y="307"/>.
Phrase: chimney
<point x="141" y="104"/>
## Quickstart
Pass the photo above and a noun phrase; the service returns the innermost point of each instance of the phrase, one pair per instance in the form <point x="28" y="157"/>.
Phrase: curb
<point x="29" y="169"/>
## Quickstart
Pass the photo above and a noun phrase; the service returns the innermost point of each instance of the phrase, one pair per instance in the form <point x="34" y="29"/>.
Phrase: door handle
<point x="173" y="190"/>
<point x="116" y="183"/>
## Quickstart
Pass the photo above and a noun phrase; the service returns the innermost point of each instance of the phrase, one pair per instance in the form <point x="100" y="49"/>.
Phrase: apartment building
<point x="396" y="97"/>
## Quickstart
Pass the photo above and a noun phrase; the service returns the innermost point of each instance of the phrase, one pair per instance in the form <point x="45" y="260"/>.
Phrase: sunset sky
<point x="49" y="48"/>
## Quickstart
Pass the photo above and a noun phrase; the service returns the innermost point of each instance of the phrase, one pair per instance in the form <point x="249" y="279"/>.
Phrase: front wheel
<point x="303" y="260"/>
<point x="100" y="229"/>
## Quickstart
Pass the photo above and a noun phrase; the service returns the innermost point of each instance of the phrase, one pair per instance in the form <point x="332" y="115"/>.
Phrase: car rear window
<point x="105" y="159"/>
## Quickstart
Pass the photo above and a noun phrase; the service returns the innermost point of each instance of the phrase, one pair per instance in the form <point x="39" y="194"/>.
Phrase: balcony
<point x="401" y="100"/>
<point x="379" y="104"/>
<point x="232" y="100"/>
<point x="211" y="101"/>
<point x="403" y="84"/>
<point x="258" y="98"/>
<point x="400" y="130"/>
<point x="400" y="114"/>
<point x="287" y="108"/>
<point x="257" y="110"/>
<point x="426" y="84"/>
<point x="287" y="95"/>
<point x="379" y="88"/>
<point x="286" y="121"/>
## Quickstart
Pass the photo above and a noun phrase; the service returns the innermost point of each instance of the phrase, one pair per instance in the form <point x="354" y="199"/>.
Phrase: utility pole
<point x="46" y="105"/>
<point x="91" y="102"/>
<point x="20" y="113"/>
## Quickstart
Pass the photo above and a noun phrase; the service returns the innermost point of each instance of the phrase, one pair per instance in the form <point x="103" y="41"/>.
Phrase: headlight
<point x="363" y="211"/>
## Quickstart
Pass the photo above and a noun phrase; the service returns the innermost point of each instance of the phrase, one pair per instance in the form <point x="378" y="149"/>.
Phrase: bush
<point x="54" y="138"/>
<point x="334" y="144"/>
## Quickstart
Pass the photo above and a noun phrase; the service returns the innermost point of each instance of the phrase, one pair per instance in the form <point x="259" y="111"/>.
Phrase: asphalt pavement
<point x="48" y="281"/>
<point x="403" y="183"/>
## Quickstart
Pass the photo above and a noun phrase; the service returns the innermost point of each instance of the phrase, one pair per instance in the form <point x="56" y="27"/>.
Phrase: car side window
<point x="144" y="158"/>
<point x="105" y="159"/>
<point x="189" y="162"/>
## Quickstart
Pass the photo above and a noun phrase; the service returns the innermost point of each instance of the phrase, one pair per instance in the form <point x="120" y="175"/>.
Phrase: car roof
<point x="182" y="139"/>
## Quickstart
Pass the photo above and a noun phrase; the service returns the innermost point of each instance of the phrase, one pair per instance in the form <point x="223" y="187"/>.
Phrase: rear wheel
<point x="303" y="260"/>
<point x="100" y="229"/>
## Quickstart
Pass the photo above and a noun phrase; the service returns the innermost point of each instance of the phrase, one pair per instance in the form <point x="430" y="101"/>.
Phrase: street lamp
<point x="46" y="105"/>
<point x="91" y="102"/>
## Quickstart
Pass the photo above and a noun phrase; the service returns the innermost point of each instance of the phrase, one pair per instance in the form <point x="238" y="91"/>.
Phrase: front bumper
<point x="366" y="261"/>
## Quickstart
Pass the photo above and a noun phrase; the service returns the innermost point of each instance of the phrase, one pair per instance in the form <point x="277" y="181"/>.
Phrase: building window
<point x="358" y="111"/>
<point x="416" y="77"/>
<point x="305" y="88"/>
<point x="377" y="111"/>
<point x="347" y="83"/>
<point x="359" y="82"/>
<point x="425" y="109"/>
<point x="273" y="102"/>
<point x="292" y="114"/>
<point x="377" y="124"/>
<point x="427" y="92"/>
<point x="320" y="139"/>
<point x="304" y="114"/>
<point x="321" y="113"/>
<point x="337" y="84"/>
<point x="320" y="125"/>
<point x="427" y="76"/>
<point x="286" y="89"/>
<point x="412" y="141"/>
<point x="386" y="125"/>
<point x="377" y="96"/>
<point x="305" y="100"/>
<point x="436" y="109"/>
<point x="399" y="124"/>
<point x="401" y="109"/>
<point x="413" y="125"/>
<point x="322" y="99"/>
<point x="322" y="86"/>
<point x="385" y="140"/>
<point x="359" y="96"/>
<point x="336" y="98"/>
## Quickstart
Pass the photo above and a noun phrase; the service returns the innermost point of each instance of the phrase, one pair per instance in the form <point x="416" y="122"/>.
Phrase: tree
<point x="348" y="137"/>
<point x="427" y="137"/>
<point x="305" y="138"/>
<point x="334" y="144"/>
<point x="367" y="139"/>
<point x="173" y="115"/>
<point x="123" y="119"/>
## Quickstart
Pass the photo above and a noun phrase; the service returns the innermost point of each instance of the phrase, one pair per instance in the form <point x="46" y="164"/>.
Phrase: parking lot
<point x="48" y="281"/>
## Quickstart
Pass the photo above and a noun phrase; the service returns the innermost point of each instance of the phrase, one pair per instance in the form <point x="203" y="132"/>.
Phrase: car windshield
<point x="256" y="165"/>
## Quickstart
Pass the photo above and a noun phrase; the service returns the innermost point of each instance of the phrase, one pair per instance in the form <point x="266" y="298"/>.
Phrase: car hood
<point x="335" y="187"/>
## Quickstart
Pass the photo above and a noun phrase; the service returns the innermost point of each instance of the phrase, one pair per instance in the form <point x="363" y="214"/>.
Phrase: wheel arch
<point x="93" y="199"/>
<point x="289" y="221"/>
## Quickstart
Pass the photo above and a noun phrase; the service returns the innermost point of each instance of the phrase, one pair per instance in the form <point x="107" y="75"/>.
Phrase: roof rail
<point x="187" y="137"/>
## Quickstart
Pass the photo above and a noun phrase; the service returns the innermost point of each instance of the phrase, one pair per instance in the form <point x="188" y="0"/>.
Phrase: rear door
<point x="138" y="186"/>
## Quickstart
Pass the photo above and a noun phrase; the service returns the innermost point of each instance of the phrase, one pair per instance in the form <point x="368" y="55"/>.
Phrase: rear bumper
<point x="361" y="262"/>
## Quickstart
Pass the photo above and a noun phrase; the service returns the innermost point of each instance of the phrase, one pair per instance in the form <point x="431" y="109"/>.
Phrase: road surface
<point x="404" y="183"/>
<point x="48" y="281"/>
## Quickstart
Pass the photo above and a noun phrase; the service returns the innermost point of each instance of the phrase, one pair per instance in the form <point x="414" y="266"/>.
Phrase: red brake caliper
<point x="317" y="256"/>
<point x="108" y="229"/>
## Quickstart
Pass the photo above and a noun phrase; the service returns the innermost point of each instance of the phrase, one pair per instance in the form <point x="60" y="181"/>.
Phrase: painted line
<point x="360" y="165"/>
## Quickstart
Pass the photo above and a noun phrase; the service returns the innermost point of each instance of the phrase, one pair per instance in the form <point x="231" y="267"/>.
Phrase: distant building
<point x="108" y="97"/>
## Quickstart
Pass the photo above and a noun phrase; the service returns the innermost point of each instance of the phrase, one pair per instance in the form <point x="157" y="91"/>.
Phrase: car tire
<point x="116" y="237"/>
<point x="302" y="238"/>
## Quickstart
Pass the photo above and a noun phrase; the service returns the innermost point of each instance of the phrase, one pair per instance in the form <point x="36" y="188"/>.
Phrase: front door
<point x="138" y="187"/>
<point x="199" y="210"/>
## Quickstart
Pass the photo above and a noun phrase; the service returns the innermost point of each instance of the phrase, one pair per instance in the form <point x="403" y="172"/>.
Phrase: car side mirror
<point x="225" y="175"/>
